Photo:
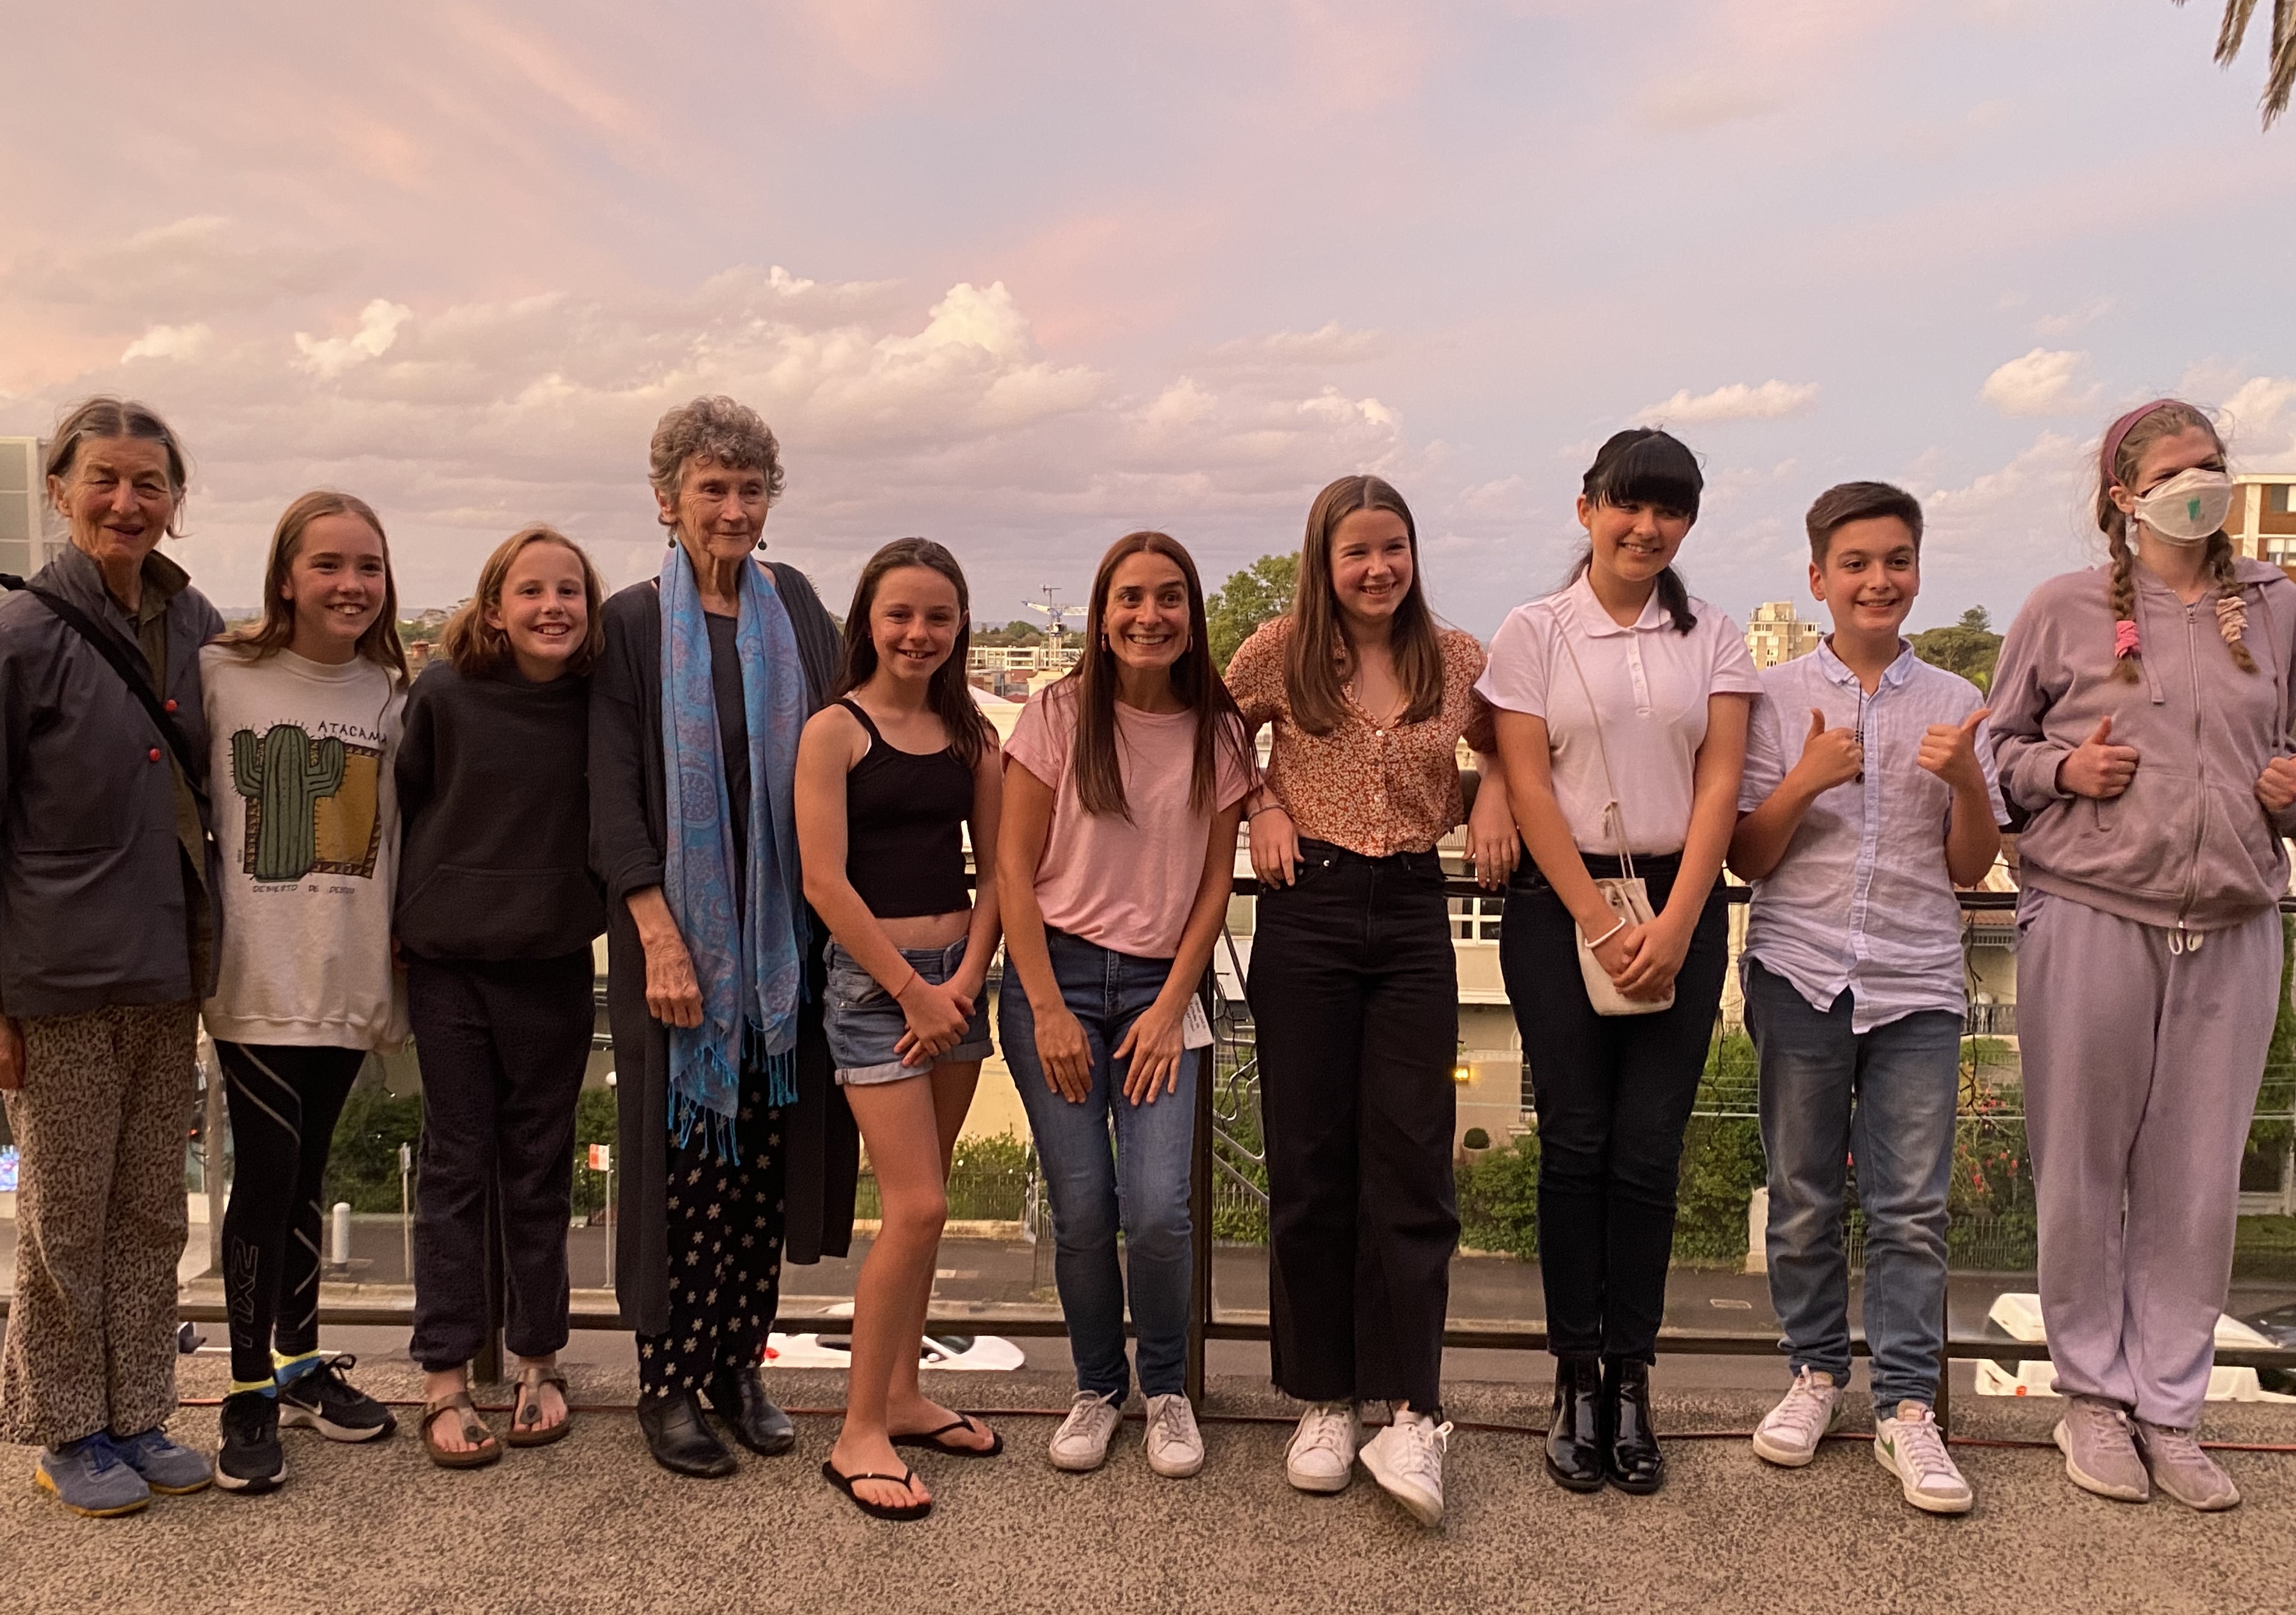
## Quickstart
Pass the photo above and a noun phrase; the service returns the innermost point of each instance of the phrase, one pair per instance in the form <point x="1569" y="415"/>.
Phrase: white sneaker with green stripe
<point x="1789" y="1433"/>
<point x="1911" y="1447"/>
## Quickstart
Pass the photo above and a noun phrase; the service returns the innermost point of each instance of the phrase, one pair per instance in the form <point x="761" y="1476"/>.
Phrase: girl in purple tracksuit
<point x="2142" y="713"/>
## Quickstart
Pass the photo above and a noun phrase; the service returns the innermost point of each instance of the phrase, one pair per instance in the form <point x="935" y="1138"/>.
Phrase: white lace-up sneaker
<point x="1175" y="1448"/>
<point x="1081" y="1442"/>
<point x="1407" y="1460"/>
<point x="1791" y="1433"/>
<point x="1909" y="1444"/>
<point x="2178" y="1467"/>
<point x="1322" y="1457"/>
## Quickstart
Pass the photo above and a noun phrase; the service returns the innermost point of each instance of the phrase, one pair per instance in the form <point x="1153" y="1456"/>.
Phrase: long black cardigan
<point x="628" y="817"/>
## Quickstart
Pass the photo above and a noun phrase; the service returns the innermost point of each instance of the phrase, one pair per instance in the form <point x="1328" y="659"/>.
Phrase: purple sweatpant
<point x="2142" y="1065"/>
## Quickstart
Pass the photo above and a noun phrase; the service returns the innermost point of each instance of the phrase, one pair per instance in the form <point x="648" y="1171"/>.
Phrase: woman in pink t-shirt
<point x="1117" y="855"/>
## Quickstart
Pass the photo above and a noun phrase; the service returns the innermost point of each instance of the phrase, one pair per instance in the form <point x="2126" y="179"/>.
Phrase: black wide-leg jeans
<point x="1355" y="997"/>
<point x="1613" y="1094"/>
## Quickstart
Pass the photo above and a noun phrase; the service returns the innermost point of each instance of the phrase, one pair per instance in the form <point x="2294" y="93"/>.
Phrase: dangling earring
<point x="761" y="543"/>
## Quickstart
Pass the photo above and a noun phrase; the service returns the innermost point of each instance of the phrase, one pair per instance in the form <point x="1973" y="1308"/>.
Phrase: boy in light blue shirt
<point x="1868" y="796"/>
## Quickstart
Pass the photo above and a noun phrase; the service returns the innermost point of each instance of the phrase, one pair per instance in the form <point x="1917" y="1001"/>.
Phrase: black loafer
<point x="1574" y="1445"/>
<point x="738" y="1397"/>
<point x="1631" y="1457"/>
<point x="680" y="1440"/>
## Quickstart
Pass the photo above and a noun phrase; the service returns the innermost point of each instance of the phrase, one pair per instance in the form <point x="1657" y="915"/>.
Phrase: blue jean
<point x="1141" y="1185"/>
<point x="1886" y="1099"/>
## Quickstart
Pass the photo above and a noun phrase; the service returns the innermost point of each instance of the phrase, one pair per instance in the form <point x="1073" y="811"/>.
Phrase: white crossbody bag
<point x="1627" y="894"/>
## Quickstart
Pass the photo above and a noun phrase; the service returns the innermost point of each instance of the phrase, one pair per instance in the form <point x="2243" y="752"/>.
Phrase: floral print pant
<point x="726" y="1222"/>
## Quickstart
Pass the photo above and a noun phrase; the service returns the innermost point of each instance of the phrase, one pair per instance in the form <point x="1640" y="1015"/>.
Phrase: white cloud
<point x="2259" y="419"/>
<point x="170" y="342"/>
<point x="1770" y="401"/>
<point x="378" y="329"/>
<point x="2041" y="383"/>
<point x="2073" y="319"/>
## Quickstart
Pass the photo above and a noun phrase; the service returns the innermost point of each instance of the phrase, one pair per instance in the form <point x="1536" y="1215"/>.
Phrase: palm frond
<point x="2280" y="67"/>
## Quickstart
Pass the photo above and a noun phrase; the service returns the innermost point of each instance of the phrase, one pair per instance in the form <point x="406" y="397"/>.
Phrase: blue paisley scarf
<point x="751" y="966"/>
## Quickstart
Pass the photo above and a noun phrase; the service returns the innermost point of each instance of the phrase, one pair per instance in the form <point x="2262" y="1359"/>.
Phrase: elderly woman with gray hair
<point x="738" y="1150"/>
<point x="107" y="944"/>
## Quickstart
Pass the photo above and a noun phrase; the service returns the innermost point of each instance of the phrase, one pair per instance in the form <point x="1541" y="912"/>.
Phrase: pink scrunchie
<point x="2124" y="639"/>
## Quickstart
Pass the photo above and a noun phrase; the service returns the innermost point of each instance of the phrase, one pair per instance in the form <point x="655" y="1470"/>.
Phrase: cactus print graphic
<point x="311" y="804"/>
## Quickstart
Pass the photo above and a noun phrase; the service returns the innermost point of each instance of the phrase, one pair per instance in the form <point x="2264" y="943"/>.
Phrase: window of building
<point x="1476" y="919"/>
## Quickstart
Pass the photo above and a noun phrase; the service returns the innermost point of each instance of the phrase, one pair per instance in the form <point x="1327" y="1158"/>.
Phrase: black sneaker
<point x="251" y="1460"/>
<point x="323" y="1399"/>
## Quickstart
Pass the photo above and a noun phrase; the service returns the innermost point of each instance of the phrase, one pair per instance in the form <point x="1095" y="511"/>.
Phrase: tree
<point x="2280" y="65"/>
<point x="1247" y="599"/>
<point x="1970" y="647"/>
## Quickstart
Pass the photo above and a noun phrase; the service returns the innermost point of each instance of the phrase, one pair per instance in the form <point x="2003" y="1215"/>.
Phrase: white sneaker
<point x="1081" y="1442"/>
<point x="1406" y="1459"/>
<point x="1322" y="1457"/>
<point x="1175" y="1448"/>
<point x="1910" y="1446"/>
<point x="1791" y="1433"/>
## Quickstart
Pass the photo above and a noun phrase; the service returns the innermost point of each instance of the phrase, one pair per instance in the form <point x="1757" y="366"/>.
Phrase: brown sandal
<point x="526" y="1410"/>
<point x="486" y="1452"/>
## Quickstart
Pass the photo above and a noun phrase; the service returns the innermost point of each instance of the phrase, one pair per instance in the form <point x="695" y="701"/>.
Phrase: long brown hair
<point x="2169" y="419"/>
<point x="1318" y="660"/>
<point x="276" y="628"/>
<point x="946" y="693"/>
<point x="1099" y="773"/>
<point x="477" y="647"/>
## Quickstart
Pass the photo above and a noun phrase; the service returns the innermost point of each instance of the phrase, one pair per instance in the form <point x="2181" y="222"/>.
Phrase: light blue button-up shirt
<point x="1862" y="899"/>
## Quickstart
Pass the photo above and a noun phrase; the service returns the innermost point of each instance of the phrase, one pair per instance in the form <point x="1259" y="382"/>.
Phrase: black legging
<point x="1614" y="1095"/>
<point x="285" y="1101"/>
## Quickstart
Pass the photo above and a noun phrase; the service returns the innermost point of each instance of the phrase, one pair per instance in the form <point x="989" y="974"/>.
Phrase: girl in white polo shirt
<point x="1622" y="707"/>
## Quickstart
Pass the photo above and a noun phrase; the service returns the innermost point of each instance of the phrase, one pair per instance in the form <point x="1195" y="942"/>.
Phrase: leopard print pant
<point x="100" y="1123"/>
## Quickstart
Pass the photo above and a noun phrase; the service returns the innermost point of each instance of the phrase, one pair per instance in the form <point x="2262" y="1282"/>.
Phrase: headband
<point x="2118" y="430"/>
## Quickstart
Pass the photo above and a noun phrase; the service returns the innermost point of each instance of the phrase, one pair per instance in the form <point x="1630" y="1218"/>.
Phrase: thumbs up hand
<point x="1829" y="757"/>
<point x="2096" y="767"/>
<point x="1949" y="752"/>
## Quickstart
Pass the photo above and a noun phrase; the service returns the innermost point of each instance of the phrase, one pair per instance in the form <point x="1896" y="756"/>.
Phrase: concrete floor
<point x="592" y="1524"/>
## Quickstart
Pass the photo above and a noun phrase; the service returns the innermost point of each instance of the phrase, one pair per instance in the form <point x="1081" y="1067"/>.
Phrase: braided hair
<point x="2125" y="443"/>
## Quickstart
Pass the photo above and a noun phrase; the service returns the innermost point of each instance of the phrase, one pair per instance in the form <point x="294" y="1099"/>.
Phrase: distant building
<point x="1776" y="635"/>
<point x="31" y="532"/>
<point x="2263" y="521"/>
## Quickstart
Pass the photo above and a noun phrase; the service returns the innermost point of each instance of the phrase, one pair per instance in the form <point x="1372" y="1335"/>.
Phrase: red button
<point x="171" y="706"/>
<point x="155" y="754"/>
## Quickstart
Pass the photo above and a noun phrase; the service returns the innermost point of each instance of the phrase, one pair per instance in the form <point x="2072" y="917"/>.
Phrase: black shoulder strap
<point x="854" y="707"/>
<point x="138" y="682"/>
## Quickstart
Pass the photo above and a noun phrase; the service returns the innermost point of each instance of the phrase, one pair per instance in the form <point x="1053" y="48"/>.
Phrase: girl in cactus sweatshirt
<point x="303" y="719"/>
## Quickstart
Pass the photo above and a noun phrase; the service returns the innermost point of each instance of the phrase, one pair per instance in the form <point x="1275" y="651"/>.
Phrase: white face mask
<point x="2189" y="507"/>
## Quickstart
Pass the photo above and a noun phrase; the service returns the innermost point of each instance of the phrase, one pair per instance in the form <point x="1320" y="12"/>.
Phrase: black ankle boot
<point x="680" y="1440"/>
<point x="1630" y="1451"/>
<point x="1574" y="1444"/>
<point x="738" y="1397"/>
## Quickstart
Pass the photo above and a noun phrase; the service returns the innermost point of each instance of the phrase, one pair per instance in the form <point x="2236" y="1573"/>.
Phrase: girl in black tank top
<point x="890" y="778"/>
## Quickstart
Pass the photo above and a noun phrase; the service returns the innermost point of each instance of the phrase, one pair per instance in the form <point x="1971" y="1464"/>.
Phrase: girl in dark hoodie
<point x="2141" y="712"/>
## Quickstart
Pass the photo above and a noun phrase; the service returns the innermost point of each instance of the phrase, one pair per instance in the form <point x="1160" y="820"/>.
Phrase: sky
<point x="1024" y="276"/>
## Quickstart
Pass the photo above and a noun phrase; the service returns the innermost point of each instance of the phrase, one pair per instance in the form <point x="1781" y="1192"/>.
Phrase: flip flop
<point x="473" y="1427"/>
<point x="528" y="1399"/>
<point x="845" y="1483"/>
<point x="932" y="1439"/>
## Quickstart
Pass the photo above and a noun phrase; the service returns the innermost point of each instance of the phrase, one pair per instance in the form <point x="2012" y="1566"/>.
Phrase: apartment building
<point x="30" y="534"/>
<point x="2263" y="521"/>
<point x="1775" y="634"/>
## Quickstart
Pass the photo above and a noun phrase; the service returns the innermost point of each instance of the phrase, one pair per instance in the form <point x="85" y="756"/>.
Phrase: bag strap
<point x="138" y="681"/>
<point x="1612" y="818"/>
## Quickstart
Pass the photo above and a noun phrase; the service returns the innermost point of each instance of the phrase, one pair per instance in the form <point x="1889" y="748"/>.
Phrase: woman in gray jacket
<point x="2141" y="715"/>
<point x="107" y="944"/>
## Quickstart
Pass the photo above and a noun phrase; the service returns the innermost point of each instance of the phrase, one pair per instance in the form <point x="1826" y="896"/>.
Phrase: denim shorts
<point x="865" y="1021"/>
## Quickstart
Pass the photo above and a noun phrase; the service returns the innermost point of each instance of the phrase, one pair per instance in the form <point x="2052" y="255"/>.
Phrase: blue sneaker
<point x="167" y="1467"/>
<point x="89" y="1477"/>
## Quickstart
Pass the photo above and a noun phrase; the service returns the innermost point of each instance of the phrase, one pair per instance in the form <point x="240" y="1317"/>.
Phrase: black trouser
<point x="1355" y="997"/>
<point x="284" y="1101"/>
<point x="1614" y="1094"/>
<point x="503" y="1046"/>
<point x="725" y="1225"/>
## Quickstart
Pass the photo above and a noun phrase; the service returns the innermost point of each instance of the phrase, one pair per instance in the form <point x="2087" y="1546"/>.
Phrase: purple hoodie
<point x="2187" y="845"/>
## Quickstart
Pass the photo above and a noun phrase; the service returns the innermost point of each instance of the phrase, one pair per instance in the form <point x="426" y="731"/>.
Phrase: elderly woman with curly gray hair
<point x="738" y="1151"/>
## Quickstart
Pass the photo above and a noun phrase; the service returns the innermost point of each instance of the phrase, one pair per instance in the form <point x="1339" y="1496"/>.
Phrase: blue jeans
<point x="1141" y="1185"/>
<point x="1886" y="1098"/>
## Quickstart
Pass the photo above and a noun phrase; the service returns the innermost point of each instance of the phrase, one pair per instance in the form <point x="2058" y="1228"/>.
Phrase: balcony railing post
<point x="1200" y="1204"/>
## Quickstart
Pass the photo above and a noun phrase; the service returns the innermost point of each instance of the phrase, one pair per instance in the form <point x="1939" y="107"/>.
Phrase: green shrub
<point x="1476" y="1139"/>
<point x="363" y="1161"/>
<point x="1498" y="1199"/>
